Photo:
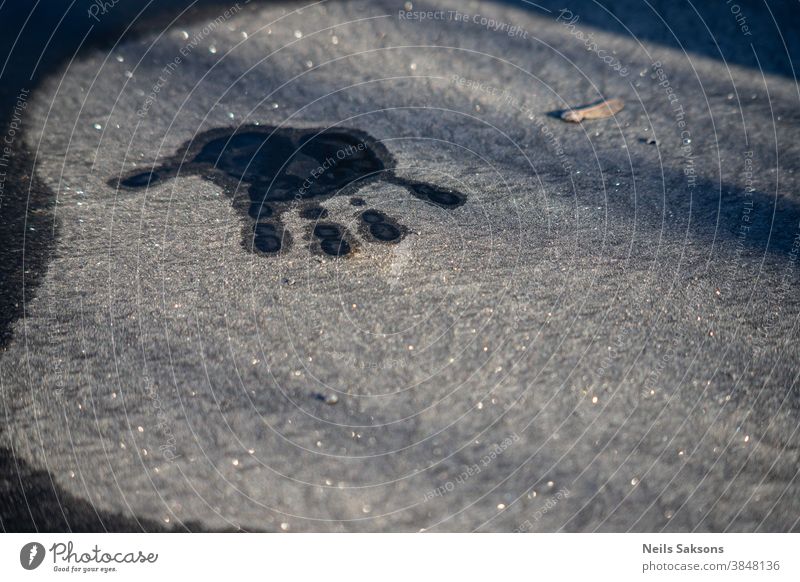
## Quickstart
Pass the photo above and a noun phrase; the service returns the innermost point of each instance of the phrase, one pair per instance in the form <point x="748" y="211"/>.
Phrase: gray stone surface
<point x="594" y="314"/>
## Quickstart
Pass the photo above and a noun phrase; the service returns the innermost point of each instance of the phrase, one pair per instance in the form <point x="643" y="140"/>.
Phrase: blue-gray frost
<point x="603" y="336"/>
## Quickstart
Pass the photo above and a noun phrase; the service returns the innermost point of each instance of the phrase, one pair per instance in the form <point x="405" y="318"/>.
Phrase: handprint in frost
<point x="270" y="171"/>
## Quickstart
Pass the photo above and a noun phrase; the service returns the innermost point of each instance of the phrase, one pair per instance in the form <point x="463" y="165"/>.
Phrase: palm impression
<point x="270" y="171"/>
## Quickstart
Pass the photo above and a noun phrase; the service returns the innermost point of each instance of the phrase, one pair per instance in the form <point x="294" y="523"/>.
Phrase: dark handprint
<point x="282" y="168"/>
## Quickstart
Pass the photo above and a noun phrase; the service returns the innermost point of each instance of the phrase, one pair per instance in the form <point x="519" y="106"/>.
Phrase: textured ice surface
<point x="589" y="342"/>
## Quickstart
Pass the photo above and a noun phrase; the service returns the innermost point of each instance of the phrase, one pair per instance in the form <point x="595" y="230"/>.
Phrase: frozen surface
<point x="591" y="341"/>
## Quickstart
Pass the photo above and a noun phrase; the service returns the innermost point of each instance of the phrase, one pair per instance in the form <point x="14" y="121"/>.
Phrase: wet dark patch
<point x="259" y="210"/>
<point x="335" y="247"/>
<point x="441" y="197"/>
<point x="269" y="171"/>
<point x="139" y="180"/>
<point x="268" y="238"/>
<point x="333" y="239"/>
<point x="385" y="232"/>
<point x="379" y="227"/>
<point x="327" y="231"/>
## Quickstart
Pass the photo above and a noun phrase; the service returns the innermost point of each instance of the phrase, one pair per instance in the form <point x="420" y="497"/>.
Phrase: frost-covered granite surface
<point x="592" y="341"/>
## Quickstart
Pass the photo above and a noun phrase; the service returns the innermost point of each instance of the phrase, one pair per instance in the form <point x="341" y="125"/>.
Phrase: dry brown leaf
<point x="605" y="108"/>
